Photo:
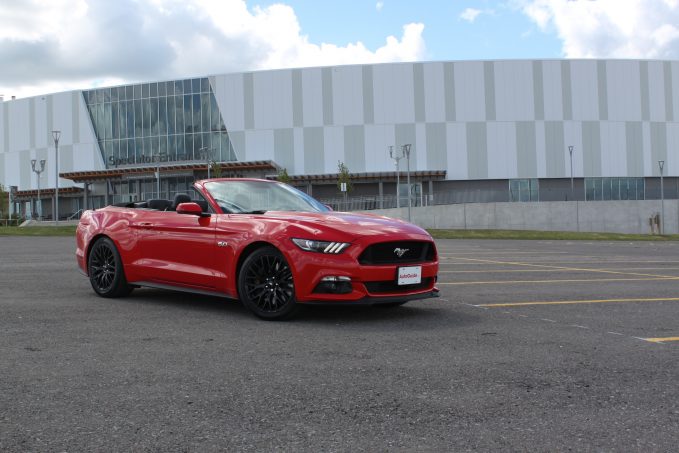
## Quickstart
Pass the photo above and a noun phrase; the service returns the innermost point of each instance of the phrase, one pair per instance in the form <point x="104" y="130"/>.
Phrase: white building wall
<point x="384" y="103"/>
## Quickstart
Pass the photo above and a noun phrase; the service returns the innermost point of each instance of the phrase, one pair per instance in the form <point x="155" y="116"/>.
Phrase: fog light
<point x="334" y="285"/>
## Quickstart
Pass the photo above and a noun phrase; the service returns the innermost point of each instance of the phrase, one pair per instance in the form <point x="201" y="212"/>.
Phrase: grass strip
<point x="67" y="230"/>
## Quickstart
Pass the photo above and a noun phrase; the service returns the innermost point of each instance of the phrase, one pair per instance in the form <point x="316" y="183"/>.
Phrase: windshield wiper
<point x="258" y="211"/>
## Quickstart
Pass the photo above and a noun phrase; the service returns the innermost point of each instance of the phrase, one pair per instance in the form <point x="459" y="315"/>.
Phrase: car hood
<point x="350" y="224"/>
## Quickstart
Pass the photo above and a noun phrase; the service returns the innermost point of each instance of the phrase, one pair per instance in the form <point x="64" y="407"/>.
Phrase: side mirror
<point x="192" y="209"/>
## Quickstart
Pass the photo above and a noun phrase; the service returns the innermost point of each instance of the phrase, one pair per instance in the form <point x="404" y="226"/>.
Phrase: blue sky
<point x="500" y="31"/>
<point x="59" y="45"/>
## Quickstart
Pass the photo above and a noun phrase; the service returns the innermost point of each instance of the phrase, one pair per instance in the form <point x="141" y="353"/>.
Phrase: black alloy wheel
<point x="265" y="285"/>
<point x="105" y="269"/>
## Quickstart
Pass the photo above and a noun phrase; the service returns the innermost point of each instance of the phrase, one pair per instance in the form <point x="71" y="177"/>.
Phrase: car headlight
<point x="311" y="245"/>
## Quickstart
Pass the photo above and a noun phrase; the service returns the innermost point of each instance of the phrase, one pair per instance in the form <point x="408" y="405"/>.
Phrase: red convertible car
<point x="263" y="242"/>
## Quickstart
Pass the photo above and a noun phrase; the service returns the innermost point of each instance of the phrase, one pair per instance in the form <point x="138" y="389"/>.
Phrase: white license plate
<point x="409" y="275"/>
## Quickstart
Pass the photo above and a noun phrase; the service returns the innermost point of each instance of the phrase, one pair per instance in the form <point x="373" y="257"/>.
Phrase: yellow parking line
<point x="662" y="340"/>
<point x="586" y="280"/>
<point x="575" y="302"/>
<point x="545" y="266"/>
<point x="500" y="271"/>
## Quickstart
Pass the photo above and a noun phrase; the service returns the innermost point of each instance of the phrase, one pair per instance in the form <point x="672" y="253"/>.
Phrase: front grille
<point x="393" y="287"/>
<point x="388" y="253"/>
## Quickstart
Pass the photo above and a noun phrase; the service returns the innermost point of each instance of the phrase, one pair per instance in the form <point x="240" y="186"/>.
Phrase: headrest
<point x="179" y="199"/>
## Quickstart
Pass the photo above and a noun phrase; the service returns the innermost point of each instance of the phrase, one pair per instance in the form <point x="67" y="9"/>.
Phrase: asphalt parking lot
<point x="537" y="346"/>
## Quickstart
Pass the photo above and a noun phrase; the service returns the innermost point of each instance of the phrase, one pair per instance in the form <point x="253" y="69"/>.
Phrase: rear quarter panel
<point x="113" y="223"/>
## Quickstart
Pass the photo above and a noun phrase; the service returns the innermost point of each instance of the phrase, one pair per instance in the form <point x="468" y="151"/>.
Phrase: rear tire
<point x="105" y="269"/>
<point x="265" y="285"/>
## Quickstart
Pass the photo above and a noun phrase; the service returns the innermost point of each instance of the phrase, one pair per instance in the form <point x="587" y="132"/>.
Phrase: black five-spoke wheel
<point x="105" y="269"/>
<point x="265" y="284"/>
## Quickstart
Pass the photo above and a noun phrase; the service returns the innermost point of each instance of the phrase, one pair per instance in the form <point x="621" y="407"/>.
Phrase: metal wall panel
<point x="602" y="89"/>
<point x="514" y="91"/>
<point x="624" y="90"/>
<point x="297" y="93"/>
<point x="457" y="156"/>
<point x="434" y="93"/>
<point x="634" y="147"/>
<point x="538" y="91"/>
<point x="314" y="153"/>
<point x="368" y="95"/>
<point x="658" y="145"/>
<point x="656" y="91"/>
<point x="553" y="90"/>
<point x="259" y="144"/>
<point x="613" y="138"/>
<point x="470" y="97"/>
<point x="312" y="101"/>
<point x="584" y="90"/>
<point x="327" y="96"/>
<point x="555" y="149"/>
<point x="418" y="92"/>
<point x="526" y="150"/>
<point x="477" y="150"/>
<point x="354" y="148"/>
<point x="284" y="148"/>
<point x="347" y="84"/>
<point x="501" y="156"/>
<point x="437" y="146"/>
<point x="669" y="90"/>
<point x="333" y="149"/>
<point x="248" y="101"/>
<point x="591" y="148"/>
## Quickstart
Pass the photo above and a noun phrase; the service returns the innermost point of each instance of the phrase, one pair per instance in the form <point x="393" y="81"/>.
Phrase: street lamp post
<point x="37" y="172"/>
<point x="661" y="165"/>
<point x="398" y="179"/>
<point x="56" y="135"/>
<point x="406" y="153"/>
<point x="570" y="151"/>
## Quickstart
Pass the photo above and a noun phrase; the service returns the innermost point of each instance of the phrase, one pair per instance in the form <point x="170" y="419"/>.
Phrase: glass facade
<point x="598" y="189"/>
<point x="523" y="190"/>
<point x="172" y="121"/>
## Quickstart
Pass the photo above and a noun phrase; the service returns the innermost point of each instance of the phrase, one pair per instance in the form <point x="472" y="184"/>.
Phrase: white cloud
<point x="379" y="6"/>
<point x="470" y="14"/>
<point x="610" y="28"/>
<point x="82" y="43"/>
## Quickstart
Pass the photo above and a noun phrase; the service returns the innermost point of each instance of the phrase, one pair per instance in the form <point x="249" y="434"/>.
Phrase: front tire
<point x="265" y="285"/>
<point x="105" y="269"/>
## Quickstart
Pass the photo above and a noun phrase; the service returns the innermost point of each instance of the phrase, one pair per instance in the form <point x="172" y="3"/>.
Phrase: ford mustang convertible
<point x="263" y="242"/>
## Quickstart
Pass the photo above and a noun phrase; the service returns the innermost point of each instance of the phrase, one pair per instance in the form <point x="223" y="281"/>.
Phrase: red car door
<point x="178" y="249"/>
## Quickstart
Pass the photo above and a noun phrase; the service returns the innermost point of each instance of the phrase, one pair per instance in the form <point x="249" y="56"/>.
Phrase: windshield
<point x="258" y="197"/>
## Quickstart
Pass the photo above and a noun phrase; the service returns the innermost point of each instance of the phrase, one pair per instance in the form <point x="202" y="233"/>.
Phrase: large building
<point x="518" y="130"/>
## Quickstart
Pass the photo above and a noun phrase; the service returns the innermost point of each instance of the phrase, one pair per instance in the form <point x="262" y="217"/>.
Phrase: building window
<point x="523" y="190"/>
<point x="604" y="189"/>
<point x="159" y="122"/>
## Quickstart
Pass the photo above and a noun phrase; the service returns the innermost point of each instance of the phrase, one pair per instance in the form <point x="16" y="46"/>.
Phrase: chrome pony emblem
<point x="400" y="252"/>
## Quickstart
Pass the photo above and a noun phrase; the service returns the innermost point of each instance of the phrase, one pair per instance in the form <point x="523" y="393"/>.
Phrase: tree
<point x="343" y="177"/>
<point x="215" y="169"/>
<point x="283" y="176"/>
<point x="4" y="202"/>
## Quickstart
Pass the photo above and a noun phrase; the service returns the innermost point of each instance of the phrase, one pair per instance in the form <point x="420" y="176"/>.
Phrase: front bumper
<point x="374" y="300"/>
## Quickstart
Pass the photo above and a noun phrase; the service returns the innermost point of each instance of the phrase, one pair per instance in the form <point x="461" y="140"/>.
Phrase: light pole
<point x="56" y="135"/>
<point x="37" y="172"/>
<point x="406" y="152"/>
<point x="661" y="165"/>
<point x="570" y="151"/>
<point x="398" y="179"/>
